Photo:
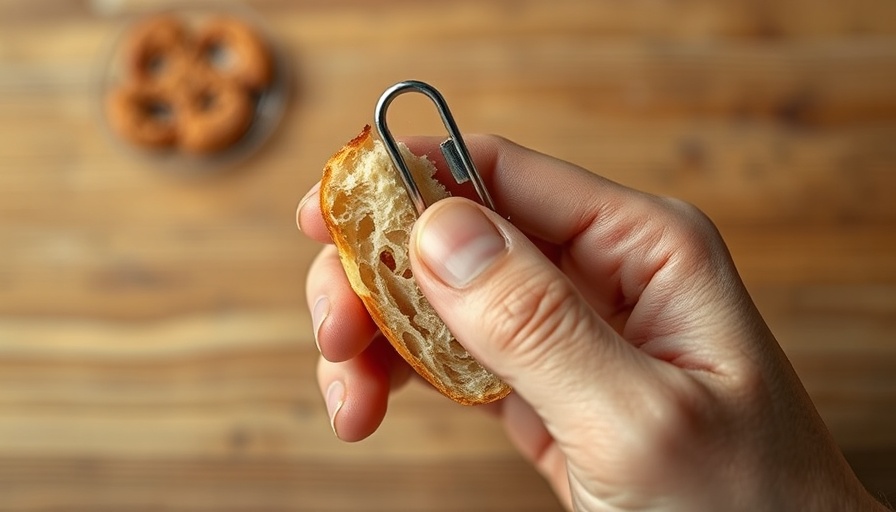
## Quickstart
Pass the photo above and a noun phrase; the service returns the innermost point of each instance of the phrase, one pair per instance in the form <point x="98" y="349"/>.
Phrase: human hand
<point x="644" y="377"/>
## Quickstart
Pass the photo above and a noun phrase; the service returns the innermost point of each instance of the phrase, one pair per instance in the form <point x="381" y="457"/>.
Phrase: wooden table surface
<point x="155" y="349"/>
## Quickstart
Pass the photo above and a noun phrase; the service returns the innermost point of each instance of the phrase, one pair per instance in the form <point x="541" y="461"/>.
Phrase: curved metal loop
<point x="455" y="151"/>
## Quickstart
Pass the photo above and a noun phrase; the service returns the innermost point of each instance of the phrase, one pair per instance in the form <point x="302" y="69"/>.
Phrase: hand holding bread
<point x="642" y="372"/>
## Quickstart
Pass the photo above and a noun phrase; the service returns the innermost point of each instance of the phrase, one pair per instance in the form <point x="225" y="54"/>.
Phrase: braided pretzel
<point x="186" y="90"/>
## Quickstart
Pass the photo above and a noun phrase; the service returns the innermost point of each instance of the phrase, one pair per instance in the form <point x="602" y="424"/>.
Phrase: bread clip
<point x="370" y="216"/>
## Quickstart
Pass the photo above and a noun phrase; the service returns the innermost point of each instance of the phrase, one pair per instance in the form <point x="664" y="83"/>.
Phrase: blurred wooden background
<point x="155" y="348"/>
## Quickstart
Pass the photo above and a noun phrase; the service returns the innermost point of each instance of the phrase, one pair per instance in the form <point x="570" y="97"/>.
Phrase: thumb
<point x="516" y="312"/>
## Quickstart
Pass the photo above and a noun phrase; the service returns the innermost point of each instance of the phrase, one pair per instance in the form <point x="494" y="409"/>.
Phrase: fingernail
<point x="458" y="243"/>
<point x="311" y="193"/>
<point x="335" y="399"/>
<point x="318" y="314"/>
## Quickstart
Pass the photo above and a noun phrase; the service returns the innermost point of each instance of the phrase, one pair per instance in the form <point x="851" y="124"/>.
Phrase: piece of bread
<point x="370" y="216"/>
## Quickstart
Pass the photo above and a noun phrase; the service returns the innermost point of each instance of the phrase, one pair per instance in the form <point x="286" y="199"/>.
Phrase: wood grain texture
<point x="155" y="349"/>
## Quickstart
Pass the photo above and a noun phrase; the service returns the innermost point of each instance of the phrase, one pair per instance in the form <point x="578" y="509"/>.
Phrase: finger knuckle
<point x="693" y="230"/>
<point x="529" y="312"/>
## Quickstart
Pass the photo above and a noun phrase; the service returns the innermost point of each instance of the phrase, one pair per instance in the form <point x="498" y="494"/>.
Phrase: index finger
<point x="545" y="197"/>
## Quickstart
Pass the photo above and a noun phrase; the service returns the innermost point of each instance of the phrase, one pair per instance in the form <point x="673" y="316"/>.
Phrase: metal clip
<point x="453" y="148"/>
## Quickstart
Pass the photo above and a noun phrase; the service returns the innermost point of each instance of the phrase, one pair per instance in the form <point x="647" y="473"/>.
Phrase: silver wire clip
<point x="455" y="151"/>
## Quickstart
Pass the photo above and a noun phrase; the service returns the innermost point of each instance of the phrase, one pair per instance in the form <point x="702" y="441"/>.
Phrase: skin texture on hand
<point x="644" y="376"/>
